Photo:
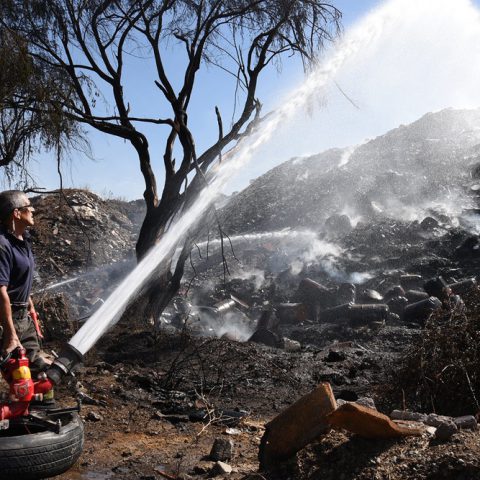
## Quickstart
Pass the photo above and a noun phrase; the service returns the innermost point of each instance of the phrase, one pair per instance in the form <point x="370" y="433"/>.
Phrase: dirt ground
<point x="146" y="421"/>
<point x="155" y="399"/>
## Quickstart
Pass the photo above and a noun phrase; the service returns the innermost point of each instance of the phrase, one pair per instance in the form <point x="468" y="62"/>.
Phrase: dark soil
<point x="155" y="397"/>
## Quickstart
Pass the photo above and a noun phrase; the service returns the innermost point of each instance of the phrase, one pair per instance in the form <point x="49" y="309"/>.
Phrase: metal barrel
<point x="365" y="313"/>
<point x="436" y="287"/>
<point x="335" y="313"/>
<point x="463" y="286"/>
<point x="414" y="296"/>
<point x="420" y="311"/>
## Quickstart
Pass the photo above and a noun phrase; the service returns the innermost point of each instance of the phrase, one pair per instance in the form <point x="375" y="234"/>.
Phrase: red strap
<point x="34" y="316"/>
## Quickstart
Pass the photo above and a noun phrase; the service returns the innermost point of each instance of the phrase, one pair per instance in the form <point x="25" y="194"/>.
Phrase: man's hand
<point x="10" y="343"/>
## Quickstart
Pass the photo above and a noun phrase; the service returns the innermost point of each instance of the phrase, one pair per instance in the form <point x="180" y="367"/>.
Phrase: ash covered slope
<point x="78" y="229"/>
<point x="405" y="174"/>
<point x="83" y="246"/>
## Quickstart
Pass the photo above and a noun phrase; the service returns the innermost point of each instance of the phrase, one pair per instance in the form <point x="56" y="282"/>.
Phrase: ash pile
<point x="380" y="235"/>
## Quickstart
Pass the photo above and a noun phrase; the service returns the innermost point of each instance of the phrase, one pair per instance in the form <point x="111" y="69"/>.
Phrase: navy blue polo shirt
<point x="16" y="267"/>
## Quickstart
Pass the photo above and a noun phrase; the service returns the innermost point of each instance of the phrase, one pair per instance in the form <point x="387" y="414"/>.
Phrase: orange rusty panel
<point x="297" y="426"/>
<point x="368" y="423"/>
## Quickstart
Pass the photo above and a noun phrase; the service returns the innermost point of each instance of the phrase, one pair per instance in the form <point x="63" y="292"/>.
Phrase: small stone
<point x="93" y="417"/>
<point x="222" y="449"/>
<point x="366" y="402"/>
<point x="221" y="468"/>
<point x="202" y="469"/>
<point x="290" y="345"/>
<point x="335" y="356"/>
<point x="445" y="431"/>
<point x="467" y="422"/>
<point x="435" y="420"/>
<point x="408" y="416"/>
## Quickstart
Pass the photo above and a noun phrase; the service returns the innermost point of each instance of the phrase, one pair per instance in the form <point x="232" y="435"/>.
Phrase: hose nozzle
<point x="63" y="365"/>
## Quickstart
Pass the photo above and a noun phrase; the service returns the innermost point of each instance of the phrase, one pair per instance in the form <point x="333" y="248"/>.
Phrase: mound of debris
<point x="75" y="229"/>
<point x="346" y="301"/>
<point x="83" y="245"/>
<point x="400" y="174"/>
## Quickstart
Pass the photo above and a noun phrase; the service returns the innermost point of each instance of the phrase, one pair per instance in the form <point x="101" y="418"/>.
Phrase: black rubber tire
<point x="43" y="454"/>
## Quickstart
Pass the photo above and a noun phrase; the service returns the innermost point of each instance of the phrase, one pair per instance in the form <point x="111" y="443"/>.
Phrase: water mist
<point x="355" y="41"/>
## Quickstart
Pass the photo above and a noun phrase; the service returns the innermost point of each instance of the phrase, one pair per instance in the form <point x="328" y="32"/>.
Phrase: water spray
<point x="109" y="313"/>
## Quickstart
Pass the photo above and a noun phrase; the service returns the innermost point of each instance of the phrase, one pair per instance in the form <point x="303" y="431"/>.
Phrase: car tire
<point x="42" y="454"/>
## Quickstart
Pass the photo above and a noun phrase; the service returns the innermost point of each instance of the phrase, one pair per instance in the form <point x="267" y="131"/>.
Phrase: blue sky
<point x="395" y="80"/>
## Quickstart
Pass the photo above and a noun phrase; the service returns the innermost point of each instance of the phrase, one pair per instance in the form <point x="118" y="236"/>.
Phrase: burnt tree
<point x="91" y="40"/>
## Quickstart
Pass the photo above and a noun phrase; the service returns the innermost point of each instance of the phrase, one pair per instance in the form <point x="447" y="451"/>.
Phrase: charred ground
<point x="157" y="395"/>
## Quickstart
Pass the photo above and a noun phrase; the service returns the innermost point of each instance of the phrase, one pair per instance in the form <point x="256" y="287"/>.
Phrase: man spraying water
<point x="17" y="313"/>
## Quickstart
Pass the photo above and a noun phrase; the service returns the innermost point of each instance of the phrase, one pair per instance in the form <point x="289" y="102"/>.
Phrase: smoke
<point x="254" y="275"/>
<point x="347" y="153"/>
<point x="422" y="56"/>
<point x="236" y="327"/>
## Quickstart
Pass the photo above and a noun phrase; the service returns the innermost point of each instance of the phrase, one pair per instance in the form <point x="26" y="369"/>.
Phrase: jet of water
<point x="109" y="313"/>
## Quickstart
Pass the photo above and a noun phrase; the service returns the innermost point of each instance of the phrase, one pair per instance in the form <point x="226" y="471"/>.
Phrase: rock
<point x="429" y="223"/>
<point x="467" y="422"/>
<point x="367" y="402"/>
<point x="203" y="469"/>
<point x="364" y="401"/>
<point x="435" y="420"/>
<point x="84" y="212"/>
<point x="296" y="426"/>
<point x="221" y="468"/>
<point x="408" y="416"/>
<point x="290" y="345"/>
<point x="93" y="417"/>
<point x="335" y="356"/>
<point x="368" y="423"/>
<point x="222" y="449"/>
<point x="338" y="224"/>
<point x="445" y="431"/>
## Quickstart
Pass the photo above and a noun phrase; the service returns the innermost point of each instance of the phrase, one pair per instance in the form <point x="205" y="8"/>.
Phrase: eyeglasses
<point x="27" y="207"/>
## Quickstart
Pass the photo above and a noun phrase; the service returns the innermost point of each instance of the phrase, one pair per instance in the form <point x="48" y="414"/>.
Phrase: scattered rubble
<point x="385" y="309"/>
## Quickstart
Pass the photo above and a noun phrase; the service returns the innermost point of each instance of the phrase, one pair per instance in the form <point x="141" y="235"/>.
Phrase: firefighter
<point x="17" y="312"/>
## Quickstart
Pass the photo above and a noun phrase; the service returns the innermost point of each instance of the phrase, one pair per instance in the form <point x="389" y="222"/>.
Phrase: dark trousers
<point x="26" y="334"/>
